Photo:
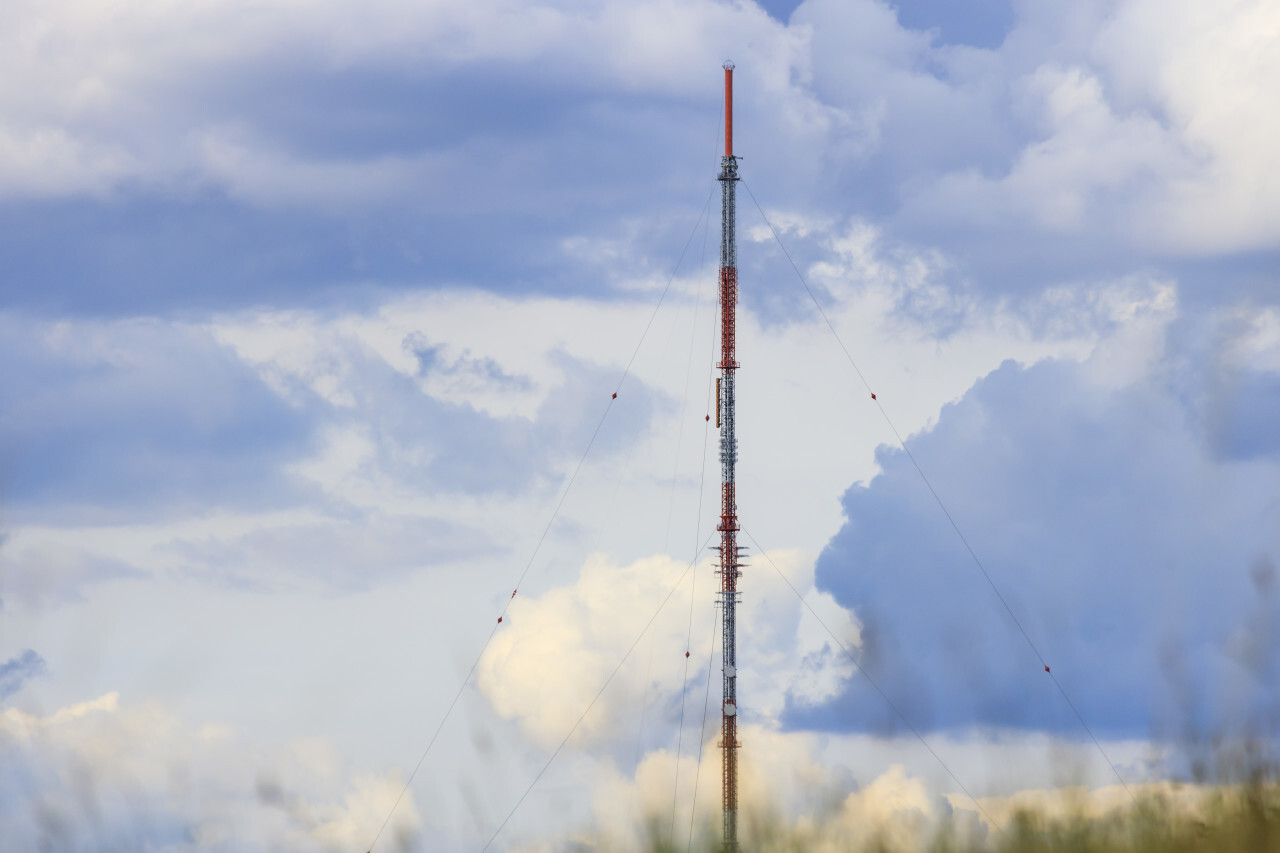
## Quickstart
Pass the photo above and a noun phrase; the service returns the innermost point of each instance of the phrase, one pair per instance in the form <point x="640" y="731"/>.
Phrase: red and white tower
<point x="728" y="569"/>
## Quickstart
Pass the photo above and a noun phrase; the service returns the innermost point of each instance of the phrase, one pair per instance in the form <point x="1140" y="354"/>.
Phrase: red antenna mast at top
<point x="728" y="109"/>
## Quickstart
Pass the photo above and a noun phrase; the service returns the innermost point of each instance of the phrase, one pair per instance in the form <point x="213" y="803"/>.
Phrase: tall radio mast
<point x="728" y="527"/>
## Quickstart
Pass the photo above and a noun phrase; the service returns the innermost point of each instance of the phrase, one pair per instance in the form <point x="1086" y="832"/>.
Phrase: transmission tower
<point x="728" y="527"/>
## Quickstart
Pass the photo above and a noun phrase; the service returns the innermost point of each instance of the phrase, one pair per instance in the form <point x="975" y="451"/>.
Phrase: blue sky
<point x="308" y="312"/>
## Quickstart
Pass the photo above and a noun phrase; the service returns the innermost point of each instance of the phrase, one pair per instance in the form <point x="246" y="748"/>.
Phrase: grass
<point x="1210" y="819"/>
<point x="1242" y="819"/>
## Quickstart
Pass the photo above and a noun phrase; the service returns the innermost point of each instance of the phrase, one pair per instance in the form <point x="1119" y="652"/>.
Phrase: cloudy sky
<point x="309" y="309"/>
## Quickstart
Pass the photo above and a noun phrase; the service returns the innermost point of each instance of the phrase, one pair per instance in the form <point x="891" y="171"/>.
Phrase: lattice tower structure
<point x="729" y="563"/>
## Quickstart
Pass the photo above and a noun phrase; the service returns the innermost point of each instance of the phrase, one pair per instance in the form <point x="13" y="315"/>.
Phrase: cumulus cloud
<point x="1102" y="508"/>
<point x="1111" y="129"/>
<point x="787" y="794"/>
<point x="106" y="772"/>
<point x="81" y="132"/>
<point x="546" y="665"/>
<point x="1061" y="131"/>
<point x="554" y="651"/>
<point x="103" y="773"/>
<point x="367" y="440"/>
<point x="1202" y="71"/>
<point x="385" y="395"/>
<point x="834" y="792"/>
<point x="239" y="450"/>
<point x="1089" y="163"/>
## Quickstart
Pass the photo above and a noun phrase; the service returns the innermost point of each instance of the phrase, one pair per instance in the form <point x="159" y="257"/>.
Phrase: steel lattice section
<point x="728" y="527"/>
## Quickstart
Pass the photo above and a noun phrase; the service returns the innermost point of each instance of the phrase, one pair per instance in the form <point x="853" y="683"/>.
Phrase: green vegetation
<point x="1226" y="820"/>
<point x="1192" y="819"/>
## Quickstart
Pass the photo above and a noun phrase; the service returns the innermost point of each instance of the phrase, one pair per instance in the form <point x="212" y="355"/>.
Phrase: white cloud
<point x="1150" y="123"/>
<point x="49" y="161"/>
<point x="104" y="773"/>
<point x="1207" y="68"/>
<point x="110" y="97"/>
<point x="832" y="792"/>
<point x="1090" y="167"/>
<point x="787" y="790"/>
<point x="395" y="392"/>
<point x="1258" y="346"/>
<point x="555" y="650"/>
<point x="1142" y="123"/>
<point x="565" y="633"/>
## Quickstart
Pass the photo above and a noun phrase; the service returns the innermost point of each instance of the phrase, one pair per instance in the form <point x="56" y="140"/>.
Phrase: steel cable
<point x="542" y="538"/>
<point x="853" y="660"/>
<point x="702" y="732"/>
<point x="954" y="526"/>
<point x="675" y="586"/>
